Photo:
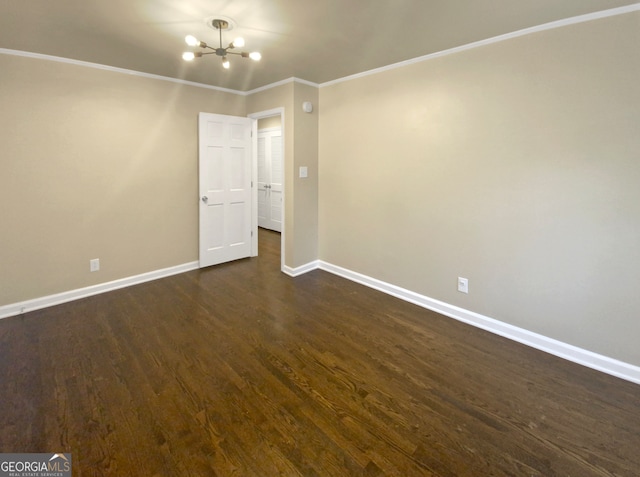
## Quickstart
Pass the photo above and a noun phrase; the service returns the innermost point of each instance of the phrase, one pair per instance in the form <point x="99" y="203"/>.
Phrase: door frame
<point x="261" y="115"/>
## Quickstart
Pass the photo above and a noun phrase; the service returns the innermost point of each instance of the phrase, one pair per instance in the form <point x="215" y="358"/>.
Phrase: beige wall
<point x="270" y="122"/>
<point x="306" y="189"/>
<point x="100" y="164"/>
<point x="95" y="164"/>
<point x="301" y="149"/>
<point x="515" y="165"/>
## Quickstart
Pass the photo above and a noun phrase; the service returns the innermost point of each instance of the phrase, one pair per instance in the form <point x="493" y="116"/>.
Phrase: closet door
<point x="270" y="179"/>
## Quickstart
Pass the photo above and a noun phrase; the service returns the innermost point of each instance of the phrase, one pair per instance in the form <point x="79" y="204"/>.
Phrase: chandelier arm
<point x="220" y="51"/>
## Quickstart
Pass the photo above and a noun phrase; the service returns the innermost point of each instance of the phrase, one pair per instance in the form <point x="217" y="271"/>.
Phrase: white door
<point x="225" y="188"/>
<point x="270" y="179"/>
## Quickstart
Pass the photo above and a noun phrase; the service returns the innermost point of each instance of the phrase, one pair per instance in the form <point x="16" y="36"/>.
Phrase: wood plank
<point x="241" y="370"/>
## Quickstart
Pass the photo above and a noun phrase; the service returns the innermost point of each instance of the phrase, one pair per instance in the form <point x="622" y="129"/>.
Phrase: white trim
<point x="113" y="69"/>
<point x="268" y="113"/>
<point x="293" y="79"/>
<point x="270" y="130"/>
<point x="302" y="269"/>
<point x="269" y="86"/>
<point x="566" y="351"/>
<point x="51" y="300"/>
<point x="308" y="83"/>
<point x="507" y="36"/>
<point x="496" y="39"/>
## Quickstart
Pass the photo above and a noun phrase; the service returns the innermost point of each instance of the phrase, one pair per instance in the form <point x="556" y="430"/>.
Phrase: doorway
<point x="273" y="118"/>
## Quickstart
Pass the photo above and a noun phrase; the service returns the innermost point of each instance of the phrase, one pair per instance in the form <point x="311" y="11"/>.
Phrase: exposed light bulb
<point x="255" y="55"/>
<point x="225" y="63"/>
<point x="188" y="56"/>
<point x="238" y="42"/>
<point x="191" y="40"/>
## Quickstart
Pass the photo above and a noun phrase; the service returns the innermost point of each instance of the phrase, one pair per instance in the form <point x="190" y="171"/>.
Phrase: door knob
<point x="205" y="199"/>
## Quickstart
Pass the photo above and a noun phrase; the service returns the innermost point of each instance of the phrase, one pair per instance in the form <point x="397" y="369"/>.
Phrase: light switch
<point x="303" y="171"/>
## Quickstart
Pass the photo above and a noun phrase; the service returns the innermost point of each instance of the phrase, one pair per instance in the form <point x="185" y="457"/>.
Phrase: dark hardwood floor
<point x="241" y="370"/>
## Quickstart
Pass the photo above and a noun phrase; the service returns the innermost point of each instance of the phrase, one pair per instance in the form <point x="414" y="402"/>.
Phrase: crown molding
<point x="496" y="39"/>
<point x="113" y="69"/>
<point x="293" y="79"/>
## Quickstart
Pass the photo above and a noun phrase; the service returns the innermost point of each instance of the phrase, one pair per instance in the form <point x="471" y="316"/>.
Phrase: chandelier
<point x="219" y="25"/>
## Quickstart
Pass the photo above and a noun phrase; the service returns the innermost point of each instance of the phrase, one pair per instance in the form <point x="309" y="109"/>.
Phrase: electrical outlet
<point x="463" y="285"/>
<point x="94" y="265"/>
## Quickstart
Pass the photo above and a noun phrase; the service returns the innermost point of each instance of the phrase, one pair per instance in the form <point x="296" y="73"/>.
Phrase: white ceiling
<point x="314" y="40"/>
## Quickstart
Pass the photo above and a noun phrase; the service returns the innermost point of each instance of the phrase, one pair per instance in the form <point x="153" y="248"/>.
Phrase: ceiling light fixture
<point x="219" y="25"/>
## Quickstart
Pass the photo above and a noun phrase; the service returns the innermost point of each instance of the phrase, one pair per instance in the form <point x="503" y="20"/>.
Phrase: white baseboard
<point x="569" y="352"/>
<point x="302" y="269"/>
<point x="51" y="300"/>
